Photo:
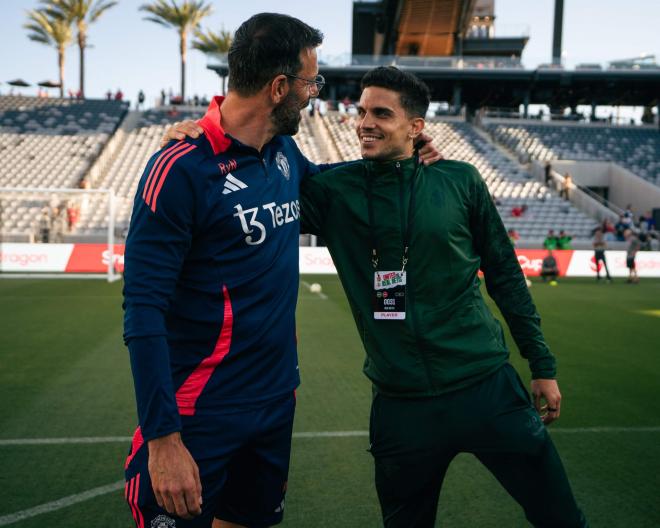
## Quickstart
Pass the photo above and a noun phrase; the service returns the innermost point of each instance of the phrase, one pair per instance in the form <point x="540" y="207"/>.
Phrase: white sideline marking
<point x="57" y="441"/>
<point x="306" y="434"/>
<point x="60" y="503"/>
<point x="309" y="286"/>
<point x="109" y="488"/>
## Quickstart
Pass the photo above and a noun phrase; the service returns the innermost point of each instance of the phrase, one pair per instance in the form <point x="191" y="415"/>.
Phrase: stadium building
<point x="70" y="167"/>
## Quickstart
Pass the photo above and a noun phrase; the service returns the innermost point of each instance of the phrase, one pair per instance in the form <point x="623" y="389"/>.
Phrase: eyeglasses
<point x="314" y="85"/>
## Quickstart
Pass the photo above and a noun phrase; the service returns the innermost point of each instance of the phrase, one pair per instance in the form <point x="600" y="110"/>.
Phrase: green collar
<point x="388" y="167"/>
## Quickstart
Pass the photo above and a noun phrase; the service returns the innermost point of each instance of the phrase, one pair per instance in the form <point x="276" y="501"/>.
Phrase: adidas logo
<point x="232" y="184"/>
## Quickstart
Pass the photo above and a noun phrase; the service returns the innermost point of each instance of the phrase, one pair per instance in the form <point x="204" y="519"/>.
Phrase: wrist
<point x="162" y="441"/>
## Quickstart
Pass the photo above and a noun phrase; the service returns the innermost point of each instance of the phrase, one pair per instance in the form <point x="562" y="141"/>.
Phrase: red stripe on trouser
<point x="148" y="185"/>
<point x="188" y="393"/>
<point x="132" y="494"/>
<point x="164" y="174"/>
<point x="135" y="446"/>
<point x="129" y="499"/>
<point x="135" y="502"/>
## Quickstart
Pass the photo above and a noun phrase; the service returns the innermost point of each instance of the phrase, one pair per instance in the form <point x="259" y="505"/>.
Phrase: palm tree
<point x="211" y="42"/>
<point x="82" y="13"/>
<point x="184" y="17"/>
<point x="49" y="29"/>
<point x="216" y="43"/>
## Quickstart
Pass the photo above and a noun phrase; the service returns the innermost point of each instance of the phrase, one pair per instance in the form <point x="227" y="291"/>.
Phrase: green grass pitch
<point x="64" y="373"/>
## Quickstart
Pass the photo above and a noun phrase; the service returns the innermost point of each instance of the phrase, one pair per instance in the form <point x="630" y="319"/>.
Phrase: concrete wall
<point x="624" y="186"/>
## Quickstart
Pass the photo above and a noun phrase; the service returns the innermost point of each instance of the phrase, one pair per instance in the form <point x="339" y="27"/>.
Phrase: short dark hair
<point x="414" y="93"/>
<point x="266" y="45"/>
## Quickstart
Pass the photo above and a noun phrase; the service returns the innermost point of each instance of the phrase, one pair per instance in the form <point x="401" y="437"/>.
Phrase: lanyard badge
<point x="389" y="294"/>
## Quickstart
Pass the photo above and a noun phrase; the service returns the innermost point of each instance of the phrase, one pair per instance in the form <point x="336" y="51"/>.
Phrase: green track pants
<point x="414" y="440"/>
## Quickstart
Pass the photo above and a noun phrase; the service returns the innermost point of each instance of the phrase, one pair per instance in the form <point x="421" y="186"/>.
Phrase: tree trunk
<point x="60" y="63"/>
<point x="81" y="46"/>
<point x="183" y="65"/>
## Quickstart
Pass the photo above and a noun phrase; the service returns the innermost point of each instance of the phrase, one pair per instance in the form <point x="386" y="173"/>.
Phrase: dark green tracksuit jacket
<point x="449" y="339"/>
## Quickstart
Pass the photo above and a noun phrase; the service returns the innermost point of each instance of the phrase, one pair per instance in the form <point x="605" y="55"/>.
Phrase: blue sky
<point x="130" y="53"/>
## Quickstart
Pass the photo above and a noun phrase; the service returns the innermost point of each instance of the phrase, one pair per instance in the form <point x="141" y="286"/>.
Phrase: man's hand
<point x="427" y="152"/>
<point x="180" y="130"/>
<point x="175" y="477"/>
<point x="548" y="390"/>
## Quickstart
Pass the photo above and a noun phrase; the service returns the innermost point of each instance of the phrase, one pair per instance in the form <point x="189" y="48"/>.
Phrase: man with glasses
<point x="211" y="282"/>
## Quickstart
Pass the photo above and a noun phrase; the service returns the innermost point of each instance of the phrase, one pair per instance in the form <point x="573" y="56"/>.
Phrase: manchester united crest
<point x="283" y="164"/>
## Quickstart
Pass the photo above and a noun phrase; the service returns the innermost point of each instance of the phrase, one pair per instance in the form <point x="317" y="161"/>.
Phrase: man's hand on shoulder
<point x="548" y="390"/>
<point x="175" y="476"/>
<point x="428" y="154"/>
<point x="180" y="130"/>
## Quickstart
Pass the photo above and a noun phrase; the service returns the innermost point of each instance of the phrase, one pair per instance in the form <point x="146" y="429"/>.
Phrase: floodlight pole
<point x="557" y="34"/>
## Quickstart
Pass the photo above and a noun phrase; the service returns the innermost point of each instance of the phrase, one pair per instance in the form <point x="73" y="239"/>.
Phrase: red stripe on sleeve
<point x="164" y="174"/>
<point x="188" y="393"/>
<point x="156" y="167"/>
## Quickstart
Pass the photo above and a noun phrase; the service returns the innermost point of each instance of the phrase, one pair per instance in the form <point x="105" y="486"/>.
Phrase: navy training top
<point x="211" y="275"/>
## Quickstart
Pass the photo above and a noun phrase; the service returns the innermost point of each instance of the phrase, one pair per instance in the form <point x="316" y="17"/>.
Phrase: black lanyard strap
<point x="406" y="227"/>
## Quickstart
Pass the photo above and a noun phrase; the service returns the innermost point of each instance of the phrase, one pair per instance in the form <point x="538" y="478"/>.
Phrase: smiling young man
<point x="408" y="241"/>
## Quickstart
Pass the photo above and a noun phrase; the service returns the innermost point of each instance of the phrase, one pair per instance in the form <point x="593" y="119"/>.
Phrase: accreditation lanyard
<point x="389" y="295"/>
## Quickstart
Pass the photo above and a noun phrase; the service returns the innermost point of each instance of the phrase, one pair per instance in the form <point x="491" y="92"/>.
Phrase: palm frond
<point x="211" y="42"/>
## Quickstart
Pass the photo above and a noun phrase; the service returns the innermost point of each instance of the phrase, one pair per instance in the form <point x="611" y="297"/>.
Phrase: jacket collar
<point x="211" y="123"/>
<point x="388" y="167"/>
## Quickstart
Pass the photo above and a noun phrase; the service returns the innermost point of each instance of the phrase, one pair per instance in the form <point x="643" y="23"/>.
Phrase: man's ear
<point x="416" y="127"/>
<point x="279" y="88"/>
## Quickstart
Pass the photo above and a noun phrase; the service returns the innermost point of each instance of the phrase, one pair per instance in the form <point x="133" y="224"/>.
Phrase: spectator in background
<point x="600" y="245"/>
<point x="58" y="225"/>
<point x="564" y="240"/>
<point x="119" y="95"/>
<point x="628" y="213"/>
<point x="108" y="95"/>
<point x="519" y="211"/>
<point x="633" y="245"/>
<point x="620" y="228"/>
<point x="550" y="242"/>
<point x="45" y="225"/>
<point x="163" y="97"/>
<point x="646" y="222"/>
<point x="548" y="174"/>
<point x="549" y="268"/>
<point x="140" y="100"/>
<point x="513" y="236"/>
<point x="72" y="214"/>
<point x="566" y="186"/>
<point x="609" y="230"/>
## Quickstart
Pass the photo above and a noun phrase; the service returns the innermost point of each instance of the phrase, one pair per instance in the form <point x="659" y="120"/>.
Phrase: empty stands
<point x="47" y="143"/>
<point x="509" y="184"/>
<point x="635" y="148"/>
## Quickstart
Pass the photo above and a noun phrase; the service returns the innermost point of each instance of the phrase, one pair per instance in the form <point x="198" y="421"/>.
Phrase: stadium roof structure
<point x="430" y="28"/>
<point x="483" y="82"/>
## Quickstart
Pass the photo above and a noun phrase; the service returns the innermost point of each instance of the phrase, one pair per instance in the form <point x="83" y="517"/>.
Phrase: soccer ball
<point x="315" y="288"/>
<point x="553" y="283"/>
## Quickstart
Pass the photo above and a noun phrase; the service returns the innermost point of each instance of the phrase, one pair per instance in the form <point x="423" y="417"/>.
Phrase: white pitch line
<point x="60" y="503"/>
<point x="109" y="488"/>
<point x="309" y="287"/>
<point x="303" y="434"/>
<point x="58" y="441"/>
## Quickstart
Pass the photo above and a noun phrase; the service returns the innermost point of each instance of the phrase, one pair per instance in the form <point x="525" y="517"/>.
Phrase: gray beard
<point x="286" y="117"/>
